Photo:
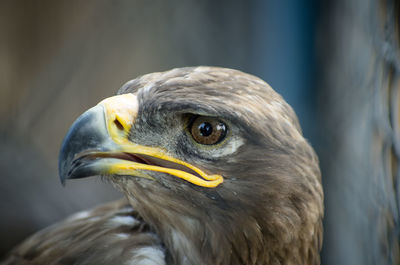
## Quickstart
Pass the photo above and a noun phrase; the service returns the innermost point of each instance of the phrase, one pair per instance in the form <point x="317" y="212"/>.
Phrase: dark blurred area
<point x="336" y="62"/>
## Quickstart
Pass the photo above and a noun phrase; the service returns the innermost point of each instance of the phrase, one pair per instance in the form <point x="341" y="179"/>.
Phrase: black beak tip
<point x="63" y="162"/>
<point x="62" y="182"/>
<point x="62" y="171"/>
<point x="88" y="132"/>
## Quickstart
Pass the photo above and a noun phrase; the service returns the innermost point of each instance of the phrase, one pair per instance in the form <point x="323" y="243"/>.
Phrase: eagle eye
<point x="207" y="130"/>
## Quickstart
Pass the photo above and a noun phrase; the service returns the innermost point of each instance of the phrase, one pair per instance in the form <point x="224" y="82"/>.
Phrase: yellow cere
<point x="121" y="111"/>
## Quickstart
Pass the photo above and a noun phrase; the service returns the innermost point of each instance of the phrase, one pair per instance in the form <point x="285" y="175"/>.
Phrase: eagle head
<point x="214" y="161"/>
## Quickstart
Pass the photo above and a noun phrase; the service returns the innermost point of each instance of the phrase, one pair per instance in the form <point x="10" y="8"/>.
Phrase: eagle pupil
<point x="206" y="129"/>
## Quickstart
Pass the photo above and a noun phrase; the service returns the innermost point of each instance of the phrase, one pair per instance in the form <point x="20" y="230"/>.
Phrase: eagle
<point x="214" y="169"/>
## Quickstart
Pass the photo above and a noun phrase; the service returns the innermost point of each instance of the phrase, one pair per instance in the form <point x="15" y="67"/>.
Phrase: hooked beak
<point x="97" y="144"/>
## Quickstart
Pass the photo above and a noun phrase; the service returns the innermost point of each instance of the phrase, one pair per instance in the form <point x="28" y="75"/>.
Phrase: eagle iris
<point x="207" y="130"/>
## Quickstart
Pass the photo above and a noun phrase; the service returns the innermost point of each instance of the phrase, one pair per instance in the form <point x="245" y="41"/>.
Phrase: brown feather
<point x="110" y="234"/>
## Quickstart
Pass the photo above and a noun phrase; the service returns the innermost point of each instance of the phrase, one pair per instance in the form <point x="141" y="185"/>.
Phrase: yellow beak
<point x="97" y="143"/>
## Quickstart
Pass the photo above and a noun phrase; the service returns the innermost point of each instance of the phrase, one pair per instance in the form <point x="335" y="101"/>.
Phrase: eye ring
<point x="207" y="130"/>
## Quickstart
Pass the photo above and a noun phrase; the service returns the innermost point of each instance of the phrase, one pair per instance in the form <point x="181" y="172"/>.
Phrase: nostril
<point x="118" y="124"/>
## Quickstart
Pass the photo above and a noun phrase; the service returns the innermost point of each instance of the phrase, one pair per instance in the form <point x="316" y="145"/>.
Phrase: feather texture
<point x="110" y="234"/>
<point x="268" y="210"/>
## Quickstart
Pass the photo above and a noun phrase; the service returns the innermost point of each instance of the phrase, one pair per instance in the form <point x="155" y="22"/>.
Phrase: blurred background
<point x="336" y="62"/>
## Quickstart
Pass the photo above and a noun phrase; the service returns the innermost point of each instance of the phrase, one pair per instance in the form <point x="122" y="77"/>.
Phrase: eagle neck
<point x="189" y="240"/>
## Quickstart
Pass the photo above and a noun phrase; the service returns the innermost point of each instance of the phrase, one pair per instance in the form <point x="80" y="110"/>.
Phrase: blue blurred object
<point x="282" y="53"/>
